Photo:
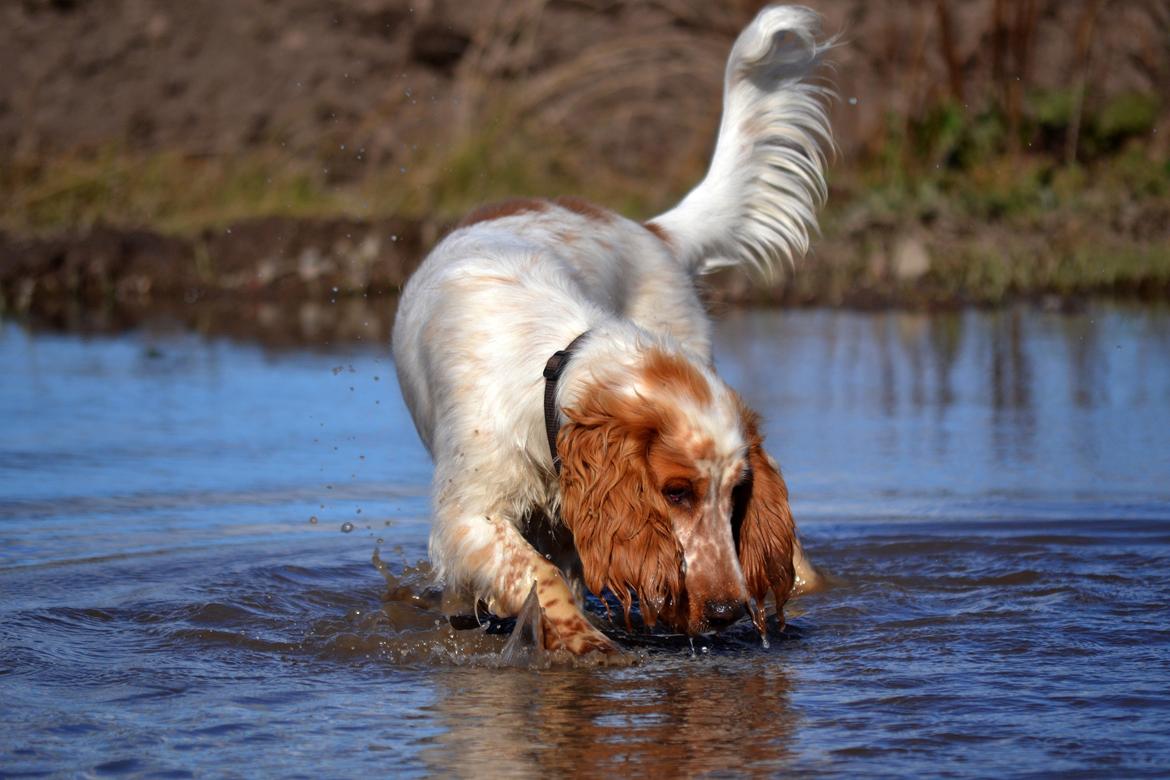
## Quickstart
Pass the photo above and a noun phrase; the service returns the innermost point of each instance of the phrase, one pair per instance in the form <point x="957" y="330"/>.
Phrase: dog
<point x="556" y="360"/>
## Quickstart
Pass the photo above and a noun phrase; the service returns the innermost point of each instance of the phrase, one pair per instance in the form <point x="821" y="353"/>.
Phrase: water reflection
<point x="681" y="721"/>
<point x="1013" y="426"/>
<point x="275" y="323"/>
<point x="1012" y="399"/>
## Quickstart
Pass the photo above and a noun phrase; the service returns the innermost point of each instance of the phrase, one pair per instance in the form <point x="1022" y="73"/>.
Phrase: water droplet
<point x="852" y="101"/>
<point x="346" y="527"/>
<point x="381" y="540"/>
<point x="313" y="520"/>
<point x="334" y="289"/>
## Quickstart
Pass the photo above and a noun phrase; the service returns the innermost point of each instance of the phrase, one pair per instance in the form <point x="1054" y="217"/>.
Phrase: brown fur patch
<point x="619" y="519"/>
<point x="674" y="371"/>
<point x="659" y="232"/>
<point x="673" y="461"/>
<point x="584" y="208"/>
<point x="504" y="208"/>
<point x="767" y="532"/>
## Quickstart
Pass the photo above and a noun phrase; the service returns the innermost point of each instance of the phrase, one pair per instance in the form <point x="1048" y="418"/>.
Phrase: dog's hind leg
<point x="490" y="557"/>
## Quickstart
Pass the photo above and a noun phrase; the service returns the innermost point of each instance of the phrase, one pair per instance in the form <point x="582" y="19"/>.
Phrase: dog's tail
<point x="759" y="199"/>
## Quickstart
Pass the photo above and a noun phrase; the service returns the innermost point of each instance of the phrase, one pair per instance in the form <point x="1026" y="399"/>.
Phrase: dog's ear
<point x="764" y="530"/>
<point x="620" y="522"/>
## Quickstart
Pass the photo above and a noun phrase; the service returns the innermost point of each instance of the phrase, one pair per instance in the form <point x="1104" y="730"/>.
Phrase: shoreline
<point x="319" y="259"/>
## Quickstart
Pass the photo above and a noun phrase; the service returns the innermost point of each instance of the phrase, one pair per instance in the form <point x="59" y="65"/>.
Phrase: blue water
<point x="990" y="492"/>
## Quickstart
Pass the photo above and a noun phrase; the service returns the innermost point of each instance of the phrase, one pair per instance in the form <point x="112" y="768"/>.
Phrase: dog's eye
<point x="678" y="493"/>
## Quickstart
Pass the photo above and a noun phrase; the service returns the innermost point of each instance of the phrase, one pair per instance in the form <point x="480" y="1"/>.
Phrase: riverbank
<point x="1018" y="229"/>
<point x="250" y="152"/>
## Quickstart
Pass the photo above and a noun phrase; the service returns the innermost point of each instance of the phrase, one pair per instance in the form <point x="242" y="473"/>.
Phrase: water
<point x="989" y="490"/>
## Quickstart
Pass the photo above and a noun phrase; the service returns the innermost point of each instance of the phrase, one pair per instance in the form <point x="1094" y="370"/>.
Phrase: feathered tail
<point x="759" y="199"/>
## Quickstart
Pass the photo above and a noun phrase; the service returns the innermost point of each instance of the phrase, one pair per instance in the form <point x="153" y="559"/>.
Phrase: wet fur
<point x="620" y="522"/>
<point x="640" y="405"/>
<point x="766" y="533"/>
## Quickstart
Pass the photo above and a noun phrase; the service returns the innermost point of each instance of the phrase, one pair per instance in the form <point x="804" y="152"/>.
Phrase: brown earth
<point x="366" y="86"/>
<point x="638" y="82"/>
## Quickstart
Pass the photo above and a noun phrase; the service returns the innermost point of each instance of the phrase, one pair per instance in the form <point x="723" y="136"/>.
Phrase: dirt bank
<point x="156" y="151"/>
<point x="631" y="82"/>
<point x="286" y="261"/>
<point x="269" y="258"/>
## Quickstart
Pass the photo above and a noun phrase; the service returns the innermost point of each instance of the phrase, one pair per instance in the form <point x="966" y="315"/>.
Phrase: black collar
<point x="552" y="372"/>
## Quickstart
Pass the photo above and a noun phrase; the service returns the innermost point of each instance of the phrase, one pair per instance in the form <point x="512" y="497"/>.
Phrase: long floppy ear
<point x="619" y="521"/>
<point x="765" y="532"/>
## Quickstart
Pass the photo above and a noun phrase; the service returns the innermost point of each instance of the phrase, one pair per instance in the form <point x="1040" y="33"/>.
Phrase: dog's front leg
<point x="490" y="556"/>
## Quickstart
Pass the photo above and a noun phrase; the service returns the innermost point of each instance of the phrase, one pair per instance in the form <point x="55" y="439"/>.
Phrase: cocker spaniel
<point x="556" y="360"/>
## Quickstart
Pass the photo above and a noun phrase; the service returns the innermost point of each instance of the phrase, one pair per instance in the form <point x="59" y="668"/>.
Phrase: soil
<point x="634" y="84"/>
<point x="215" y="76"/>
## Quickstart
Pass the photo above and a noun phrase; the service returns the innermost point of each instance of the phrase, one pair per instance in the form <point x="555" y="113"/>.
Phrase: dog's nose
<point x="720" y="614"/>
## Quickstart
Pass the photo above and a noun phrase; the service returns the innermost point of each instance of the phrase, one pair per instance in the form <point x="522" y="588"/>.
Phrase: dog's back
<point x="503" y="292"/>
<point x="518" y="280"/>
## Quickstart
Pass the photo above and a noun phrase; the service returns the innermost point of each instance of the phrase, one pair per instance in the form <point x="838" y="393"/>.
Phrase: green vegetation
<point x="1064" y="204"/>
<point x="165" y="191"/>
<point x="181" y="195"/>
<point x="1004" y="214"/>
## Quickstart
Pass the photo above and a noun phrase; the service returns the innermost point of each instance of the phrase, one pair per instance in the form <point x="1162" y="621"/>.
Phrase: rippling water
<point x="989" y="490"/>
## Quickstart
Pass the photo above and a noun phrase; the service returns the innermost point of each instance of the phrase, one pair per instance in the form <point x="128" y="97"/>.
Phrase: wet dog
<point x="556" y="360"/>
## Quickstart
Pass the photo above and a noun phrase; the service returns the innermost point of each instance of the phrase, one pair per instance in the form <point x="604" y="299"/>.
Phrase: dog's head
<point x="670" y="496"/>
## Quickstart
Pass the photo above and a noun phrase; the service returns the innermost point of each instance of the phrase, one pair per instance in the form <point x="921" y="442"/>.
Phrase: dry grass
<point x="629" y="121"/>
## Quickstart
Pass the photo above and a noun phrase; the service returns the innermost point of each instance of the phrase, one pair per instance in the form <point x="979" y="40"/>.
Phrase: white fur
<point x="494" y="300"/>
<point x="759" y="199"/>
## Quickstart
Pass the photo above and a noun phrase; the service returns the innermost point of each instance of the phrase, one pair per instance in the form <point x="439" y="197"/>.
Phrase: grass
<point x="999" y="215"/>
<point x="166" y="191"/>
<point x="178" y="194"/>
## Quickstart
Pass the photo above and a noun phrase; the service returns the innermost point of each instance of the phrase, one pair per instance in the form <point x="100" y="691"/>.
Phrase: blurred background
<point x="238" y="149"/>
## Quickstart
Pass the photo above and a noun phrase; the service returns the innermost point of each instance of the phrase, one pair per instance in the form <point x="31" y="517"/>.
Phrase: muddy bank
<point x="631" y="83"/>
<point x="289" y="278"/>
<point x="155" y="154"/>
<point x="260" y="259"/>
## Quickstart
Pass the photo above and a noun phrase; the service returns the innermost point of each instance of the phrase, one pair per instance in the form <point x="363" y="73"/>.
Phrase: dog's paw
<point x="559" y="634"/>
<point x="575" y="635"/>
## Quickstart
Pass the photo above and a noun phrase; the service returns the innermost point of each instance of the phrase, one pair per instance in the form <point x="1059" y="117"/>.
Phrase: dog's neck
<point x="552" y="374"/>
